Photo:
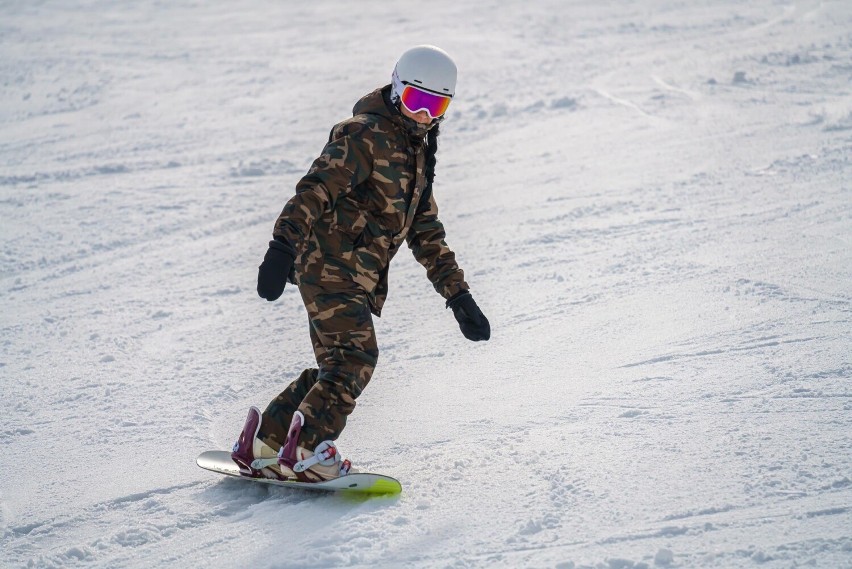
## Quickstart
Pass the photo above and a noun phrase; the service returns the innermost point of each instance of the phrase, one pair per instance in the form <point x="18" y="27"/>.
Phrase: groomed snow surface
<point x="653" y="204"/>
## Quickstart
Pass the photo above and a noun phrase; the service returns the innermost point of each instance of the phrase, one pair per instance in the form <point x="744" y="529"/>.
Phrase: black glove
<point x="473" y="323"/>
<point x="276" y="269"/>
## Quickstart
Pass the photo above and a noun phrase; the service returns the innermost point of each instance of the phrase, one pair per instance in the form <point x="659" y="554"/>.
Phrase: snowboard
<point x="359" y="482"/>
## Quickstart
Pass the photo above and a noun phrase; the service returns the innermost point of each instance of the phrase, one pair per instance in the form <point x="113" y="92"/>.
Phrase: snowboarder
<point x="370" y="190"/>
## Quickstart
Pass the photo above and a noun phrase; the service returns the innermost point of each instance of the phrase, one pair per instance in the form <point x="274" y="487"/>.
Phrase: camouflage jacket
<point x="361" y="198"/>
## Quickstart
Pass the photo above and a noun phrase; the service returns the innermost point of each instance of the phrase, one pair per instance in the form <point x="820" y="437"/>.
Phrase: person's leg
<point x="279" y="412"/>
<point x="346" y="349"/>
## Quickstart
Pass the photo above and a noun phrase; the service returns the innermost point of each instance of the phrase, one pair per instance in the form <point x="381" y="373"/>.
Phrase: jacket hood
<point x="379" y="103"/>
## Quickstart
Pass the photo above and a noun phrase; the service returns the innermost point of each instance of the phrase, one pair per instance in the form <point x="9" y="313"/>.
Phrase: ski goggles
<point x="416" y="100"/>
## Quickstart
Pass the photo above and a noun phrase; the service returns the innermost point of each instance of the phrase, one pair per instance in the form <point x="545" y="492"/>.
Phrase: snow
<point x="652" y="202"/>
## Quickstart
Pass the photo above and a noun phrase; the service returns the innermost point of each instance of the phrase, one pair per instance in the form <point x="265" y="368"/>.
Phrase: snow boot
<point x="254" y="457"/>
<point x="322" y="463"/>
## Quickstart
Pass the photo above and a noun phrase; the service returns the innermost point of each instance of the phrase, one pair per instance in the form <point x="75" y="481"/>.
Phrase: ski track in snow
<point x="652" y="202"/>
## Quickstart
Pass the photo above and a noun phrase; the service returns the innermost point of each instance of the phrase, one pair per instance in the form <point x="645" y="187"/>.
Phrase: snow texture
<point x="653" y="203"/>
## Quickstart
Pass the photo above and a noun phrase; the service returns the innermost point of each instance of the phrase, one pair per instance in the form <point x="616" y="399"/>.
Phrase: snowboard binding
<point x="256" y="459"/>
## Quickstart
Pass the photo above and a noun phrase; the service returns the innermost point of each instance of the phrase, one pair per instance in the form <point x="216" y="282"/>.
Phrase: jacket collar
<point x="379" y="103"/>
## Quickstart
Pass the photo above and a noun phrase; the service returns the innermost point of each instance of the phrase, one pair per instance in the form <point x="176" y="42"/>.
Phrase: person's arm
<point x="345" y="162"/>
<point x="426" y="239"/>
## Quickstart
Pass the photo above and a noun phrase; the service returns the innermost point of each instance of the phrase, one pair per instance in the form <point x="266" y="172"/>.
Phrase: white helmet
<point x="426" y="67"/>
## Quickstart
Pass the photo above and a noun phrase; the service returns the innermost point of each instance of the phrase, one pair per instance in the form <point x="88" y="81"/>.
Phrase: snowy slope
<point x="652" y="201"/>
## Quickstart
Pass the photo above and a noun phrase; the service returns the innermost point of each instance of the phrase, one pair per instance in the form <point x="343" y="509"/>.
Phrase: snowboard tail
<point x="361" y="482"/>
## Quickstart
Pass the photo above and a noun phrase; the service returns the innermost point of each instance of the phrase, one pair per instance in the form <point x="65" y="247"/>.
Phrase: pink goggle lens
<point x="416" y="100"/>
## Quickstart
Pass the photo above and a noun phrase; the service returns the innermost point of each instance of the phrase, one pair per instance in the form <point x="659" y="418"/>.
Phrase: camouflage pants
<point x="344" y="340"/>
